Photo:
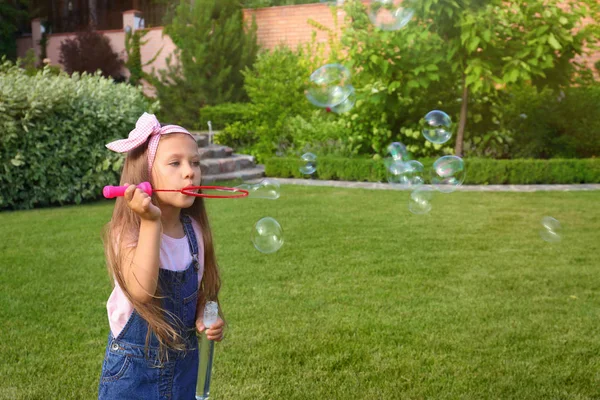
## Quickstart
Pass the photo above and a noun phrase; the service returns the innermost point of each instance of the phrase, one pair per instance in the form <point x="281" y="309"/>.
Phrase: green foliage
<point x="52" y="135"/>
<point x="546" y="125"/>
<point x="276" y="87"/>
<point x="449" y="45"/>
<point x="11" y="14"/>
<point x="480" y="171"/>
<point x="133" y="45"/>
<point x="214" y="45"/>
<point x="321" y="134"/>
<point x="28" y="63"/>
<point x="224" y="114"/>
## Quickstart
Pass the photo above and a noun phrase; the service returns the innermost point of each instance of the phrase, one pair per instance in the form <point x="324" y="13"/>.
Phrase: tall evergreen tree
<point x="214" y="44"/>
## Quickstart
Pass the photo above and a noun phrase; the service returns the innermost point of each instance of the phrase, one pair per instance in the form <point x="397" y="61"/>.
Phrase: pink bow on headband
<point x="147" y="126"/>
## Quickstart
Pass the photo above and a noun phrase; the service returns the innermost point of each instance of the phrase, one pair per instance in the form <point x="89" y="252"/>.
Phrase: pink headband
<point x="147" y="126"/>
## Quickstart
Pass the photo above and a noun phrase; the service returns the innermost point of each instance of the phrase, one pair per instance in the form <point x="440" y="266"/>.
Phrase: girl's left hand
<point x="214" y="332"/>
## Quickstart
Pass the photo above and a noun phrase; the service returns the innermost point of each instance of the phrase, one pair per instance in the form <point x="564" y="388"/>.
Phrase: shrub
<point x="547" y="125"/>
<point x="52" y="135"/>
<point x="224" y="114"/>
<point x="89" y="52"/>
<point x="276" y="87"/>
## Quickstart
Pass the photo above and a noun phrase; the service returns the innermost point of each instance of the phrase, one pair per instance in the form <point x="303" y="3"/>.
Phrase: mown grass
<point x="363" y="300"/>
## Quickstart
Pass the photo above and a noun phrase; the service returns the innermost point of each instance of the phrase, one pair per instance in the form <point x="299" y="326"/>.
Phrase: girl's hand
<point x="214" y="332"/>
<point x="140" y="203"/>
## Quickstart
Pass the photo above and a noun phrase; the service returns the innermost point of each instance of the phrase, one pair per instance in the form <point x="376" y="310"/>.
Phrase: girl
<point x="160" y="254"/>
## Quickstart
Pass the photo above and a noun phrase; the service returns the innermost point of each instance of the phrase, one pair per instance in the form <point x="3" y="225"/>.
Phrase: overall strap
<point x="191" y="236"/>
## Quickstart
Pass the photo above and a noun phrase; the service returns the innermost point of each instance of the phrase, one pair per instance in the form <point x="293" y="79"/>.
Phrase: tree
<point x="493" y="43"/>
<point x="481" y="47"/>
<point x="11" y="14"/>
<point x="214" y="44"/>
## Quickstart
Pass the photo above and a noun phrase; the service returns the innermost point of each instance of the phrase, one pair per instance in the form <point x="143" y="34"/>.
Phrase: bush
<point x="89" y="52"/>
<point x="321" y="133"/>
<point x="52" y="135"/>
<point x="480" y="171"/>
<point x="276" y="87"/>
<point x="547" y="125"/>
<point x="224" y="114"/>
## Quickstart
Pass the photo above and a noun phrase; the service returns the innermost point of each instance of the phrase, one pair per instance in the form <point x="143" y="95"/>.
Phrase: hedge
<point x="480" y="171"/>
<point x="52" y="135"/>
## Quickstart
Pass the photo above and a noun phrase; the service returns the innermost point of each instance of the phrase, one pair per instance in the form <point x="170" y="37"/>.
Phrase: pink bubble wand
<point x="111" y="192"/>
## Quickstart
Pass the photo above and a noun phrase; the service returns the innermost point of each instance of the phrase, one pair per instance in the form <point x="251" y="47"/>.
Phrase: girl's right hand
<point x="141" y="203"/>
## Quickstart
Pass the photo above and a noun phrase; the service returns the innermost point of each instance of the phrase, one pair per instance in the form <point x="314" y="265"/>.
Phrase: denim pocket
<point x="114" y="367"/>
<point x="189" y="310"/>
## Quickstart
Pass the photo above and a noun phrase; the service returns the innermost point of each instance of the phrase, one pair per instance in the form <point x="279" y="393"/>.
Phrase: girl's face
<point x="177" y="165"/>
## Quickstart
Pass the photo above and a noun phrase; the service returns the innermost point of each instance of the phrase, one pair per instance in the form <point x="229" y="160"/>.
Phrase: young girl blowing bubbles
<point x="159" y="251"/>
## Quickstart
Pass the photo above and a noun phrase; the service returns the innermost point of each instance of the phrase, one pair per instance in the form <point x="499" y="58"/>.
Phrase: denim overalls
<point x="129" y="373"/>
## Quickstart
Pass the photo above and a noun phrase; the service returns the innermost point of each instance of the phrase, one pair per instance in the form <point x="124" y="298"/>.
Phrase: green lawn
<point x="364" y="300"/>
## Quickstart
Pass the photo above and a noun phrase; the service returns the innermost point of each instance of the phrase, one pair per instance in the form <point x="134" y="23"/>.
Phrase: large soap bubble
<point x="267" y="235"/>
<point x="437" y="127"/>
<point x="448" y="173"/>
<point x="329" y="86"/>
<point x="389" y="15"/>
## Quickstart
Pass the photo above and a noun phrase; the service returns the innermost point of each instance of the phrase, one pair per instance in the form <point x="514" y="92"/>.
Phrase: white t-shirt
<point x="175" y="255"/>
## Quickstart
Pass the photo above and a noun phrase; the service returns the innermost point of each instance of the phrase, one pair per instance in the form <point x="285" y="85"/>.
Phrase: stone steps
<point x="245" y="174"/>
<point x="215" y="151"/>
<point x="233" y="163"/>
<point x="219" y="163"/>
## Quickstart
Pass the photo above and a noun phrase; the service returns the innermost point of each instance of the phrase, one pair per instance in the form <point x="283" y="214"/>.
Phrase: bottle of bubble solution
<point x="206" y="349"/>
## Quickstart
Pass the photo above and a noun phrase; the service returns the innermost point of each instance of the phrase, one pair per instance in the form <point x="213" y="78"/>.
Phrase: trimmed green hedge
<point x="480" y="171"/>
<point x="52" y="135"/>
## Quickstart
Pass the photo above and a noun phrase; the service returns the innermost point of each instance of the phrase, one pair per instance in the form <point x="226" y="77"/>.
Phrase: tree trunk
<point x="460" y="134"/>
<point x="93" y="14"/>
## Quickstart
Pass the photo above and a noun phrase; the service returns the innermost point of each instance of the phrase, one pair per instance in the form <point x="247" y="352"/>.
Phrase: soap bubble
<point x="448" y="173"/>
<point x="419" y="201"/>
<point x="551" y="230"/>
<point x="437" y="127"/>
<point x="395" y="170"/>
<point x="414" y="174"/>
<point x="347" y="104"/>
<point x="398" y="151"/>
<point x="309" y="164"/>
<point x="265" y="189"/>
<point x="267" y="235"/>
<point x="329" y="86"/>
<point x="408" y="173"/>
<point x="389" y="15"/>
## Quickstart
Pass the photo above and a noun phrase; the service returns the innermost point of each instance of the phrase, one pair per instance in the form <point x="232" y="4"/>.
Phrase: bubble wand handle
<point x="206" y="351"/>
<point x="111" y="192"/>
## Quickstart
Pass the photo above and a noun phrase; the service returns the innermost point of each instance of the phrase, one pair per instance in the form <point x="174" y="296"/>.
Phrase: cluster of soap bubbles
<point x="446" y="174"/>
<point x="330" y="88"/>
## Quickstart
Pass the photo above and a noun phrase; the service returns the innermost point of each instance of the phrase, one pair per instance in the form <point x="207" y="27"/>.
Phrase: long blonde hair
<point x="125" y="225"/>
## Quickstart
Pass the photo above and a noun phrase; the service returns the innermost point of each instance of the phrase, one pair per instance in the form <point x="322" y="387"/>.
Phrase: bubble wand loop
<point x="117" y="191"/>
